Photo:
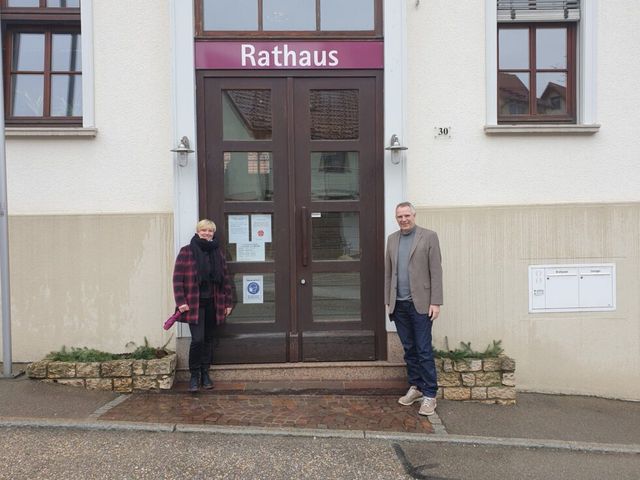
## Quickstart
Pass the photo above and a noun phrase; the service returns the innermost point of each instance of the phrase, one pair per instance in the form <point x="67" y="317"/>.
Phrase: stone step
<point x="302" y="387"/>
<point x="297" y="372"/>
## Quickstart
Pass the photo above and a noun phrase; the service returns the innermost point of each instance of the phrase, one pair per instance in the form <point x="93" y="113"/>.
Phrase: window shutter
<point x="538" y="10"/>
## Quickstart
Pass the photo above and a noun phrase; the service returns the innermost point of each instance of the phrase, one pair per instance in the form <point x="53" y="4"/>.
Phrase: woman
<point x="202" y="290"/>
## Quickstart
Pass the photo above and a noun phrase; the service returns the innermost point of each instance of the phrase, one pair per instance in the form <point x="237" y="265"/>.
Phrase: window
<point x="43" y="62"/>
<point x="286" y="17"/>
<point x="536" y="61"/>
<point x="536" y="73"/>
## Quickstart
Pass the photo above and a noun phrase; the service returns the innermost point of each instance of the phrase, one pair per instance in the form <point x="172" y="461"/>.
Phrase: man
<point x="413" y="295"/>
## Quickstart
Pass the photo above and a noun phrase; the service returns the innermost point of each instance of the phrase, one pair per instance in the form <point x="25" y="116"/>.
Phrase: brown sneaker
<point x="428" y="406"/>
<point x="412" y="395"/>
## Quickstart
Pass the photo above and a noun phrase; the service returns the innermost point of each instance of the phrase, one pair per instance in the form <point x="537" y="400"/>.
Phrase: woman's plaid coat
<point x="187" y="291"/>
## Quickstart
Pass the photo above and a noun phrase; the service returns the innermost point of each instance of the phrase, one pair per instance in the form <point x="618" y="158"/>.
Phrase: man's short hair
<point x="407" y="204"/>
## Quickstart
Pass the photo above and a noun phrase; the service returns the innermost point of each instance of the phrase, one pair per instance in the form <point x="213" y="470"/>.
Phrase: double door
<point x="290" y="171"/>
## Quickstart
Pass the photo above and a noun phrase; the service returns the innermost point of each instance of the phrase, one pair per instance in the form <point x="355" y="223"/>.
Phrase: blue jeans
<point x="414" y="330"/>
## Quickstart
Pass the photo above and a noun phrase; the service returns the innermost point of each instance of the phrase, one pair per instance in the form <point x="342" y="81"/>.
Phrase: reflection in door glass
<point x="246" y="115"/>
<point x="249" y="237"/>
<point x="335" y="176"/>
<point x="255" y="299"/>
<point x="336" y="297"/>
<point x="334" y="114"/>
<point x="248" y="176"/>
<point x="335" y="236"/>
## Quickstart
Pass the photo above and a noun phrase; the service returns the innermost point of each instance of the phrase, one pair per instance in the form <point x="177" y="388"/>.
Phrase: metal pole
<point x="5" y="297"/>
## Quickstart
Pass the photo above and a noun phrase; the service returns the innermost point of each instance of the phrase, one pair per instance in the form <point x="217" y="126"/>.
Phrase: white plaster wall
<point x="446" y="87"/>
<point x="127" y="167"/>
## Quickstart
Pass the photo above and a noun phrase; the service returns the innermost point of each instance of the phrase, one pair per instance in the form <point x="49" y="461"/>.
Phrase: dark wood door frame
<point x="211" y="203"/>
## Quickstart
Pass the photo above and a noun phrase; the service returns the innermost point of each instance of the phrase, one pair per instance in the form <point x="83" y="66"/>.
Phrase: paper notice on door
<point x="250" y="252"/>
<point x="238" y="228"/>
<point x="252" y="288"/>
<point x="261" y="228"/>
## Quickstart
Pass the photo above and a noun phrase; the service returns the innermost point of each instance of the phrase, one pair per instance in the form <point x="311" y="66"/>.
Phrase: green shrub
<point x="84" y="354"/>
<point x="465" y="351"/>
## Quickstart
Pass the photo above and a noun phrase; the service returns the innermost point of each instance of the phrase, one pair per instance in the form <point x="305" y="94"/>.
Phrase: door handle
<point x="304" y="214"/>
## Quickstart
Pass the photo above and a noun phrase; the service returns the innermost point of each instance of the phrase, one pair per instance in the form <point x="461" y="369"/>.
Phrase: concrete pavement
<point x="538" y="421"/>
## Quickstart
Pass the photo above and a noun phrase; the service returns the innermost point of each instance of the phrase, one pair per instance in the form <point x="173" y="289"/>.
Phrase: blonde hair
<point x="205" y="223"/>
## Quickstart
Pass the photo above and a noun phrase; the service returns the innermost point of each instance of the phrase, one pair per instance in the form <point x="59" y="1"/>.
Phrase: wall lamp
<point x="395" y="147"/>
<point x="183" y="150"/>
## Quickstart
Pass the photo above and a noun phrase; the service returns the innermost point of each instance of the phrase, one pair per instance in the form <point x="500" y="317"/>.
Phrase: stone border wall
<point x="489" y="380"/>
<point x="122" y="376"/>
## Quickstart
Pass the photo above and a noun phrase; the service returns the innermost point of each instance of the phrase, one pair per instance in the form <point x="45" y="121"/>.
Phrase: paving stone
<point x="354" y="412"/>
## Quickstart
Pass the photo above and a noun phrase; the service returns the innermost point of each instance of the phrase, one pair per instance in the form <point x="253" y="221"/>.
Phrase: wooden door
<point x="290" y="170"/>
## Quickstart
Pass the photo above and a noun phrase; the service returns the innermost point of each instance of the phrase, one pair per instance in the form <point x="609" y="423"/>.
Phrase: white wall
<point x="446" y="87"/>
<point x="127" y="167"/>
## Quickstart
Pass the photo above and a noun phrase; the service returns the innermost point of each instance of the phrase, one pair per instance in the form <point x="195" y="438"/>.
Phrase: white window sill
<point x="50" y="132"/>
<point x="541" y="129"/>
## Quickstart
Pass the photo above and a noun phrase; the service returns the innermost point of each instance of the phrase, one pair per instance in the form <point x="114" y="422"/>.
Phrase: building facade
<point x="292" y="118"/>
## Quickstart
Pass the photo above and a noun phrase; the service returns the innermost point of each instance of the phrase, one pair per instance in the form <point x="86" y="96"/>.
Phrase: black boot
<point x="194" y="383"/>
<point x="206" y="379"/>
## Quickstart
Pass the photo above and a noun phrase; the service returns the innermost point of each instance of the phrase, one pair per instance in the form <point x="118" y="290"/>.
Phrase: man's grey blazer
<point x="425" y="270"/>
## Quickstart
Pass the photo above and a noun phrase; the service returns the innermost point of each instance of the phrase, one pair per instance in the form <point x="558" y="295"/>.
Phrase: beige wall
<point x="486" y="252"/>
<point x="127" y="167"/>
<point x="98" y="281"/>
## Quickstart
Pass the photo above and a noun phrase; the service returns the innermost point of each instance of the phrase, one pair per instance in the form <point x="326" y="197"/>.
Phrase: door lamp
<point x="183" y="150"/>
<point x="395" y="147"/>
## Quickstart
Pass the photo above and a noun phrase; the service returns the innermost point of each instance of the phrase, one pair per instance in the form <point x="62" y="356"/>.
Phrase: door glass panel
<point x="66" y="95"/>
<point x="334" y="114"/>
<point x="248" y="176"/>
<point x="336" y="297"/>
<point x="28" y="52"/>
<point x="335" y="176"/>
<point x="289" y="14"/>
<point x="336" y="235"/>
<point x="351" y="15"/>
<point x="64" y="3"/>
<point x="551" y="48"/>
<point x="246" y="115"/>
<point x="255" y="299"/>
<point x="27" y="92"/>
<point x="513" y="44"/>
<point x="250" y="237"/>
<point x="66" y="54"/>
<point x="23" y="3"/>
<point x="551" y="93"/>
<point x="513" y="93"/>
<point x="230" y="14"/>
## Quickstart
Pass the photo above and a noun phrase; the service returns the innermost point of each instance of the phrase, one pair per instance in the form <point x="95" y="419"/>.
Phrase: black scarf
<point x="208" y="261"/>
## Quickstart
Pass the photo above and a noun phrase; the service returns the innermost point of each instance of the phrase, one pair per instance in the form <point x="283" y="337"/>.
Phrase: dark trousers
<point x="201" y="348"/>
<point x="414" y="330"/>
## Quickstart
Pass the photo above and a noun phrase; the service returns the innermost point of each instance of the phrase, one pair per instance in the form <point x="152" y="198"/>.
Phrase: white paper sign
<point x="261" y="228"/>
<point x="238" y="228"/>
<point x="252" y="288"/>
<point x="250" y="252"/>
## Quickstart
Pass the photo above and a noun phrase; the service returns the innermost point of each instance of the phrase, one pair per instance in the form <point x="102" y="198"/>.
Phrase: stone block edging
<point x="123" y="376"/>
<point x="488" y="380"/>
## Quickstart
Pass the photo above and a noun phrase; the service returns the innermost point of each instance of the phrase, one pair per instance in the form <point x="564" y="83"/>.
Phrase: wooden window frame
<point x="48" y="21"/>
<point x="297" y="34"/>
<point x="533" y="116"/>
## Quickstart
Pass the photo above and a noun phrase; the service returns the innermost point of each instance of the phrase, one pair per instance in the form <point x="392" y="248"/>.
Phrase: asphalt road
<point x="44" y="453"/>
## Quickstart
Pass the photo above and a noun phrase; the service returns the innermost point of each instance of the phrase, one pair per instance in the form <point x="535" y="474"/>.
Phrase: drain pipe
<point x="5" y="297"/>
